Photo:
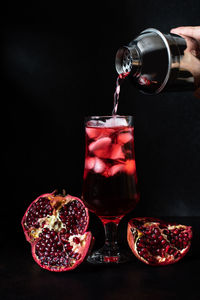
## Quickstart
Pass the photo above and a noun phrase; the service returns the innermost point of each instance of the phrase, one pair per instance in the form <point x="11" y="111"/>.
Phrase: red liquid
<point x="109" y="187"/>
<point x="119" y="81"/>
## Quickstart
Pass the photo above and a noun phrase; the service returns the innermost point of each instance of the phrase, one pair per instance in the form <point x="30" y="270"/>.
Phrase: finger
<point x="191" y="31"/>
<point x="192" y="46"/>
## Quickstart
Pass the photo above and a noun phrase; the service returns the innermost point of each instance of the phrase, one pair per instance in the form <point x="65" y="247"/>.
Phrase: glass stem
<point x="111" y="236"/>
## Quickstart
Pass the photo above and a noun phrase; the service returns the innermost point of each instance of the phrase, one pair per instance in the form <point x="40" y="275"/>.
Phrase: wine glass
<point x="110" y="180"/>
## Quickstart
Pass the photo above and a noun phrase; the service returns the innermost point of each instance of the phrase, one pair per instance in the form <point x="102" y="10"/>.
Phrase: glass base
<point x="107" y="256"/>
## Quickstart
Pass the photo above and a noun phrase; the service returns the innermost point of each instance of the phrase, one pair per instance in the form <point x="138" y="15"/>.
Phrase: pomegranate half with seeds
<point x="156" y="242"/>
<point x="55" y="226"/>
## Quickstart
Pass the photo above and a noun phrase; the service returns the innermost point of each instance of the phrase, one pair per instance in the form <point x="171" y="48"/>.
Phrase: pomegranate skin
<point x="156" y="242"/>
<point x="55" y="226"/>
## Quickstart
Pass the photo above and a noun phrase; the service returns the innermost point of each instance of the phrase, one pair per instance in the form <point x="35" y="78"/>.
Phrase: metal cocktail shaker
<point x="156" y="62"/>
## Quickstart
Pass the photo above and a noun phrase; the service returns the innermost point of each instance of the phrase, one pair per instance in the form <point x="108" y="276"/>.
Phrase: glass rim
<point x="101" y="116"/>
<point x="108" y="116"/>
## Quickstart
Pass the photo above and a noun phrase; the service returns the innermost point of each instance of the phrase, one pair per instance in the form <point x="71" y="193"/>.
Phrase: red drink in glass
<point x="109" y="187"/>
<point x="110" y="181"/>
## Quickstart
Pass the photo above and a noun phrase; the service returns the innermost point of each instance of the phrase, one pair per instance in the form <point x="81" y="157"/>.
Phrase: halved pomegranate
<point x="55" y="226"/>
<point x="156" y="242"/>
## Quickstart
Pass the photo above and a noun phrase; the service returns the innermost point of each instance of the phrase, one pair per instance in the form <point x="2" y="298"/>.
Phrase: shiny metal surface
<point x="156" y="62"/>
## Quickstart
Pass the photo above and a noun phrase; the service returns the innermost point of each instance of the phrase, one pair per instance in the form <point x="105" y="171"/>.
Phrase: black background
<point x="58" y="65"/>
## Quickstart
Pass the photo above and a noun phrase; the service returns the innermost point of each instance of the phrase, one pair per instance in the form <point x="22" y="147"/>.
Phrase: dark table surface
<point x="22" y="278"/>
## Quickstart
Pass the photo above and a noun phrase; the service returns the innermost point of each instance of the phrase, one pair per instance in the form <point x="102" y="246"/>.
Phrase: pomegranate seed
<point x="176" y="231"/>
<point x="140" y="245"/>
<point x="69" y="247"/>
<point x="146" y="256"/>
<point x="78" y="256"/>
<point x="167" y="248"/>
<point x="158" y="251"/>
<point x="76" y="240"/>
<point x="185" y="243"/>
<point x="156" y="231"/>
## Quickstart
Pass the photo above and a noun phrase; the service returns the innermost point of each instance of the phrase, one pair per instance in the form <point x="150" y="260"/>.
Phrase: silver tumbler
<point x="156" y="62"/>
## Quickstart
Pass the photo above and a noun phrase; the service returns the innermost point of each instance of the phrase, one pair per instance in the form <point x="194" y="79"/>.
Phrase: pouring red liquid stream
<point x="119" y="81"/>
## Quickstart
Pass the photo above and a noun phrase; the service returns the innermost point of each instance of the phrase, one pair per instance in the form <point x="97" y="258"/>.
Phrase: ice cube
<point x="95" y="132"/>
<point x="130" y="166"/>
<point x="89" y="163"/>
<point x="99" y="165"/>
<point x="124" y="138"/>
<point x="115" y="122"/>
<point x="95" y="123"/>
<point x="116" y="152"/>
<point x="101" y="147"/>
<point x="116" y="169"/>
<point x="92" y="132"/>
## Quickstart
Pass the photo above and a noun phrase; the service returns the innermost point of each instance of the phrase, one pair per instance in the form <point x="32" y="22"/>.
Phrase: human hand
<point x="192" y="54"/>
<point x="192" y="36"/>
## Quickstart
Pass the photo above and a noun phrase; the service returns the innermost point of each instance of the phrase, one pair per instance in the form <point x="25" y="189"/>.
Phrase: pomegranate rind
<point x="74" y="264"/>
<point x="134" y="234"/>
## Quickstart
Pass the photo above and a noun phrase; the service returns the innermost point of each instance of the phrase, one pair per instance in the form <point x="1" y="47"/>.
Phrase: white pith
<point x="51" y="222"/>
<point x="81" y="237"/>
